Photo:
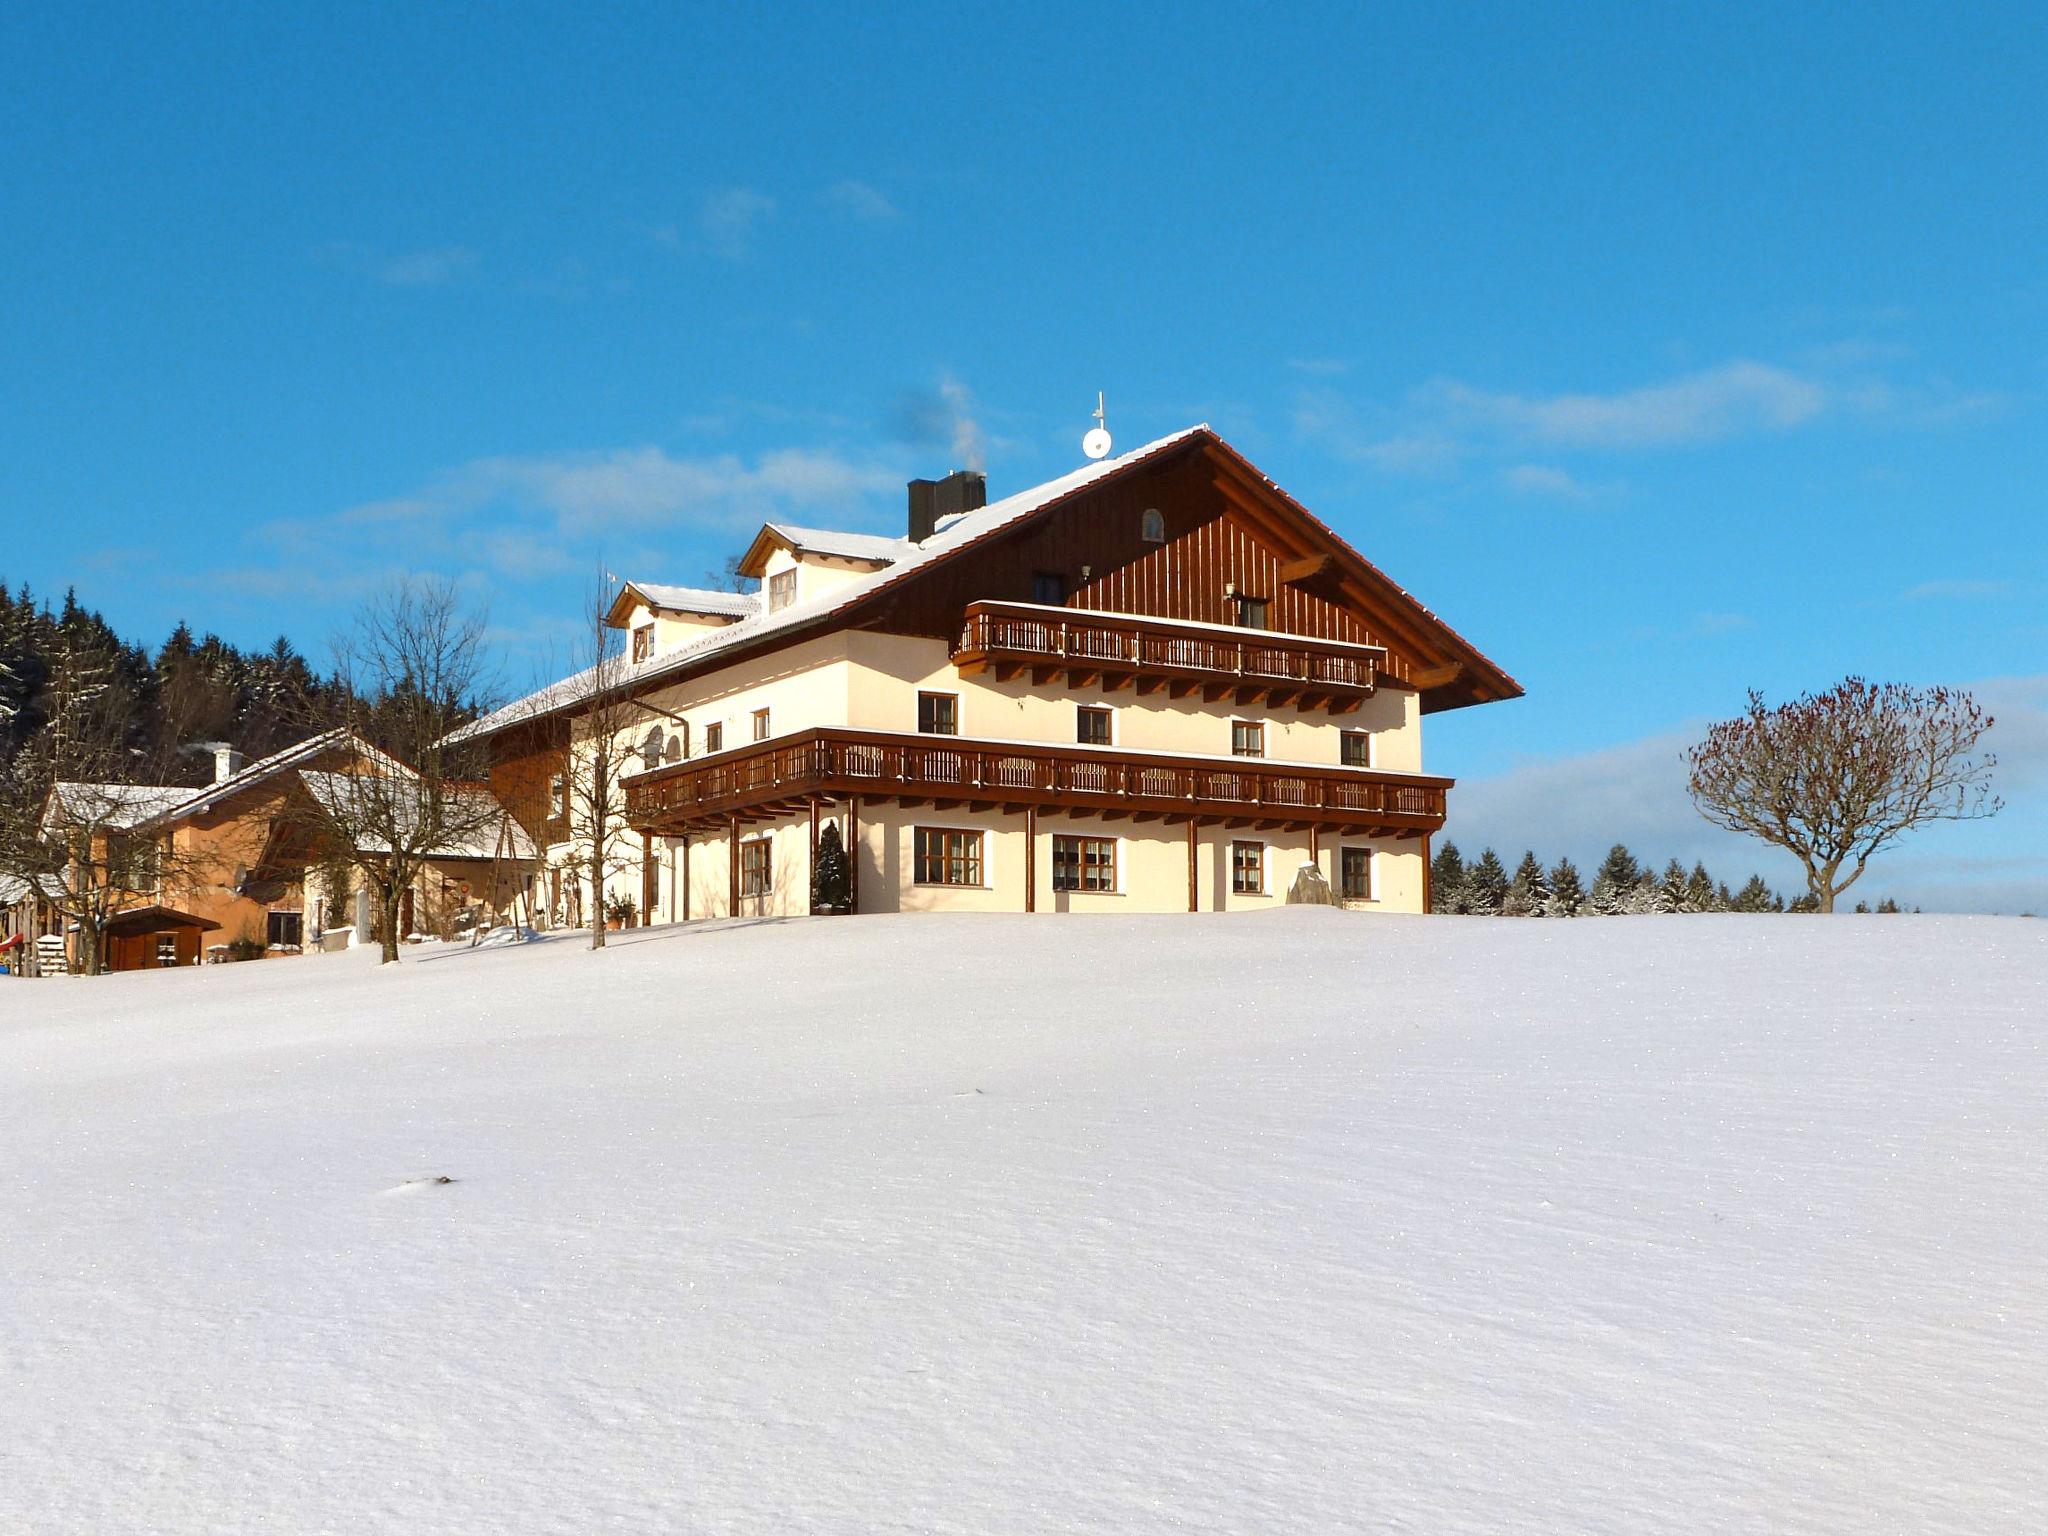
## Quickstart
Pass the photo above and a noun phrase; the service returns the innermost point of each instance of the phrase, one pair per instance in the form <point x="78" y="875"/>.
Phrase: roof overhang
<point x="156" y="919"/>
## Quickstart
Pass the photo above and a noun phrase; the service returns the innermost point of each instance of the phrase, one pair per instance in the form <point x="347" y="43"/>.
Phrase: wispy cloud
<point x="859" y="200"/>
<point x="428" y="269"/>
<point x="1319" y="367"/>
<point x="1960" y="590"/>
<point x="728" y="219"/>
<point x="1547" y="480"/>
<point x="1734" y="399"/>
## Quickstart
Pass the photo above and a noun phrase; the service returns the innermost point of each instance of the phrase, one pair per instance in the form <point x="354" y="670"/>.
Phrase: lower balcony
<point x="1113" y="651"/>
<point x="778" y="778"/>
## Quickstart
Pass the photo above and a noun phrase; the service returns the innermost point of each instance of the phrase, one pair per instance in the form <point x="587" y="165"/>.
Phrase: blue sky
<point x="1666" y="355"/>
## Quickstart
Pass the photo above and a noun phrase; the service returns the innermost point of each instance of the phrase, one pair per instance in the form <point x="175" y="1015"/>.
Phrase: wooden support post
<point x="1427" y="904"/>
<point x="1315" y="846"/>
<point x="732" y="872"/>
<point x="684" y="903"/>
<point x="814" y="855"/>
<point x="1030" y="858"/>
<point x="1193" y="904"/>
<point x="853" y="850"/>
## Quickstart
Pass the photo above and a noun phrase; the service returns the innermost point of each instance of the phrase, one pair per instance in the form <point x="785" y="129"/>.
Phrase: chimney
<point x="227" y="762"/>
<point x="964" y="490"/>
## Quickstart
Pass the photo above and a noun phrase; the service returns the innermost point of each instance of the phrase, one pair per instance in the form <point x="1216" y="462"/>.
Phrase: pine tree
<point x="1700" y="895"/>
<point x="1614" y="882"/>
<point x="1888" y="906"/>
<point x="1486" y="885"/>
<point x="1673" y="891"/>
<point x="1567" y="895"/>
<point x="832" y="886"/>
<point x="1529" y="891"/>
<point x="1447" y="880"/>
<point x="1755" y="896"/>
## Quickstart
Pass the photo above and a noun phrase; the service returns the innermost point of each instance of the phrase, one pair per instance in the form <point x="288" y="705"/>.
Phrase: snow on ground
<point x="1300" y="1221"/>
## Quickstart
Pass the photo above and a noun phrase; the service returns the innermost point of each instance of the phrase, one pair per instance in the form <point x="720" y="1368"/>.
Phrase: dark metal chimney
<point x="964" y="490"/>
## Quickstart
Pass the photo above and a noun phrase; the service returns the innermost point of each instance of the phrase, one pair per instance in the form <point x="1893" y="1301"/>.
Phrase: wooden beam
<point x="814" y="855"/>
<point x="1007" y="670"/>
<point x="732" y="897"/>
<point x="1437" y="677"/>
<point x="1216" y="693"/>
<point x="853" y="850"/>
<point x="1193" y="905"/>
<point x="1307" y="568"/>
<point x="1427" y="904"/>
<point x="1040" y="676"/>
<point x="973" y="665"/>
<point x="1180" y="688"/>
<point x="686" y="877"/>
<point x="1031" y="858"/>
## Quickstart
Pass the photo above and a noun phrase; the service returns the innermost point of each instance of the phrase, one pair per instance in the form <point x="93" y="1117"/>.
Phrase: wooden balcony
<point x="1079" y="648"/>
<point x="773" y="779"/>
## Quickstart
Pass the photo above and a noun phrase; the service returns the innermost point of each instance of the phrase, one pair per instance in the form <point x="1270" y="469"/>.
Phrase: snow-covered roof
<point x="14" y="888"/>
<point x="77" y="804"/>
<point x="493" y="833"/>
<point x="952" y="535"/>
<point x="735" y="605"/>
<point x="278" y="762"/>
<point x="841" y="543"/>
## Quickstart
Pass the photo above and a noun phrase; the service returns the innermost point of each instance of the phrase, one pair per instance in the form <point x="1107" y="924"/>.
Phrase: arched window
<point x="1152" y="526"/>
<point x="650" y="747"/>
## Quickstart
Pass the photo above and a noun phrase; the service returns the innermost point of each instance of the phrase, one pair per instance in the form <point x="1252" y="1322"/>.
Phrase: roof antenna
<point x="1096" y="443"/>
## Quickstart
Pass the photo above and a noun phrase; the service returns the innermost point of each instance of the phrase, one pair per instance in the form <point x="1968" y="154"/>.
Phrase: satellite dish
<point x="1096" y="443"/>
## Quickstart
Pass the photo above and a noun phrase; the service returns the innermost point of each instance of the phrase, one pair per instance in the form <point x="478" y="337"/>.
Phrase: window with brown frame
<point x="558" y="796"/>
<point x="1354" y="749"/>
<point x="781" y="590"/>
<point x="755" y="876"/>
<point x="714" y="737"/>
<point x="1152" y="526"/>
<point x="760" y="725"/>
<point x="1247" y="738"/>
<point x="643" y="642"/>
<point x="1355" y="874"/>
<point x="1248" y="869"/>
<point x="1091" y="726"/>
<point x="1048" y="587"/>
<point x="938" y="714"/>
<point x="947" y="856"/>
<point x="1251" y="612"/>
<point x="1083" y="863"/>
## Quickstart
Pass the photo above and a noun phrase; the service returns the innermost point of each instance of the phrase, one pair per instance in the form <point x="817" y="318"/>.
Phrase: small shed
<point x="146" y="938"/>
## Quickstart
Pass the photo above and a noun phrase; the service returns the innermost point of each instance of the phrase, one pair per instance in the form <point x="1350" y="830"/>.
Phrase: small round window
<point x="1152" y="526"/>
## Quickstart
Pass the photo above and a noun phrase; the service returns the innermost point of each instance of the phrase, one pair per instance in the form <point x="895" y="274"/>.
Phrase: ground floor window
<point x="285" y="928"/>
<point x="1084" y="863"/>
<point x="754" y="867"/>
<point x="1248" y="869"/>
<point x="167" y="949"/>
<point x="1355" y="874"/>
<point x="948" y="857"/>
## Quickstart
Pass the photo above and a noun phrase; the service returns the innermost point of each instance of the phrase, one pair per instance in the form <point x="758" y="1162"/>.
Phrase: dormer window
<point x="1251" y="611"/>
<point x="1152" y="526"/>
<point x="781" y="590"/>
<point x="643" y="642"/>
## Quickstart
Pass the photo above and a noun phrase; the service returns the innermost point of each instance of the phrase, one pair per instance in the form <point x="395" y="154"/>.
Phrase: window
<point x="1048" y="587"/>
<point x="1251" y="611"/>
<point x="947" y="857"/>
<point x="1091" y="726"/>
<point x="938" y="714"/>
<point x="167" y="949"/>
<point x="1355" y="749"/>
<point x="714" y="736"/>
<point x="1355" y="874"/>
<point x="1247" y="738"/>
<point x="760" y="725"/>
<point x="650" y="747"/>
<point x="1084" y="863"/>
<point x="558" y="796"/>
<point x="679" y="741"/>
<point x="643" y="642"/>
<point x="755" y="879"/>
<point x="781" y="589"/>
<point x="285" y="928"/>
<point x="1248" y="869"/>
<point x="1152" y="526"/>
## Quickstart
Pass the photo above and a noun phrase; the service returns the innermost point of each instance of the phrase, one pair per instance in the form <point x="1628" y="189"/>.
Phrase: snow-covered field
<point x="1299" y="1221"/>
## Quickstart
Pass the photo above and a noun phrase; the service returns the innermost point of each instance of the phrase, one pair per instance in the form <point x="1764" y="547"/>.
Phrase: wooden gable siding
<point x="1209" y="545"/>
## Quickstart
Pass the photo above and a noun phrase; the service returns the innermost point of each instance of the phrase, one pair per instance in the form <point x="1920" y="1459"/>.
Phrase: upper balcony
<point x="1151" y="655"/>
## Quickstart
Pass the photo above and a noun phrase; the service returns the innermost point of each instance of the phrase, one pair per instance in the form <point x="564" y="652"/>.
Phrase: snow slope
<point x="1299" y="1221"/>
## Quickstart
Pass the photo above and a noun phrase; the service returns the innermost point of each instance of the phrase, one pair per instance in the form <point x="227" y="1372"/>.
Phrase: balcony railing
<point x="1129" y="647"/>
<point x="774" y="778"/>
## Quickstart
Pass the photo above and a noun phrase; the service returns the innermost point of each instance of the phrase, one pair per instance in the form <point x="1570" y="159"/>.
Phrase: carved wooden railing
<point x="837" y="761"/>
<point x="1018" y="632"/>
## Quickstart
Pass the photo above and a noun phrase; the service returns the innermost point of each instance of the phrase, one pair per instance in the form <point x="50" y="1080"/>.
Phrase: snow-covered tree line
<point x="1484" y="887"/>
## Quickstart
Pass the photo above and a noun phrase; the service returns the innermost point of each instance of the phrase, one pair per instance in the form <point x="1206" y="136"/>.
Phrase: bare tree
<point x="412" y="671"/>
<point x="75" y="802"/>
<point x="1837" y="777"/>
<point x="602" y="714"/>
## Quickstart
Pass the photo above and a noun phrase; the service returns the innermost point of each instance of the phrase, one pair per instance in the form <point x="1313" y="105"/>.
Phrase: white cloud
<point x="728" y="219"/>
<point x="859" y="200"/>
<point x="1734" y="399"/>
<point x="427" y="269"/>
<point x="1959" y="590"/>
<point x="1547" y="480"/>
